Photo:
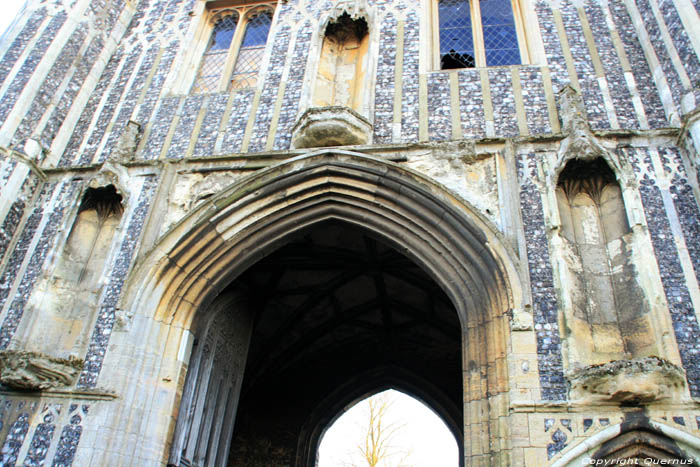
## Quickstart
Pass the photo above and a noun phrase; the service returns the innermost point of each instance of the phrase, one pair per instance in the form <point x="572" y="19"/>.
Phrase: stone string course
<point x="545" y="309"/>
<point x="122" y="264"/>
<point x="385" y="88"/>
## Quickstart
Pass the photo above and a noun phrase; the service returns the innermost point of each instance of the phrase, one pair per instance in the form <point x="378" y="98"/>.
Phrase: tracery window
<point x="235" y="49"/>
<point x="478" y="33"/>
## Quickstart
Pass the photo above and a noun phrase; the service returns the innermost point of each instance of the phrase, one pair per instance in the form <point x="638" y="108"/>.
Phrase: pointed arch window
<point x="235" y="48"/>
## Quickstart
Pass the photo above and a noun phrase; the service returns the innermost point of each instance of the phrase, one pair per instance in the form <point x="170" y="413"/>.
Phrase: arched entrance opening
<point x="389" y="428"/>
<point x="333" y="310"/>
<point x="226" y="256"/>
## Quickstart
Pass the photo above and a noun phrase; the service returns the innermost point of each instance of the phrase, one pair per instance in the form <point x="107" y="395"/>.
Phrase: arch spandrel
<point x="218" y="240"/>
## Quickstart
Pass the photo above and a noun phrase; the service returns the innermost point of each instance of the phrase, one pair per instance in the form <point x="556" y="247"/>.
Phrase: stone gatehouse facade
<point x="223" y="222"/>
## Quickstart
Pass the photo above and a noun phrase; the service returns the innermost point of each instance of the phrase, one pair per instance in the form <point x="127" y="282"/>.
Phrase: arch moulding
<point x="466" y="256"/>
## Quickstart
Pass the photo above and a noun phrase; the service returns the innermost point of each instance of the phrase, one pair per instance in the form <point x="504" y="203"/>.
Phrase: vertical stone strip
<point x="36" y="455"/>
<point x="25" y="73"/>
<point x="504" y="113"/>
<point x="535" y="100"/>
<point x="292" y="93"/>
<point x="471" y="104"/>
<point x="410" y="112"/>
<point x="686" y="206"/>
<point x="234" y="132"/>
<point x="50" y="86"/>
<point x="110" y="106"/>
<point x="150" y="99"/>
<point x="552" y="45"/>
<point x="439" y="107"/>
<point x="15" y="439"/>
<point x="385" y="87"/>
<point x="209" y="130"/>
<point x="16" y="212"/>
<point x="81" y="129"/>
<point x="65" y="197"/>
<point x="268" y="95"/>
<point x="20" y="43"/>
<point x="70" y="437"/>
<point x="83" y="67"/>
<point x="648" y="93"/>
<point x="685" y="323"/>
<point x="657" y="42"/>
<point x="161" y="126"/>
<point x="681" y="41"/>
<point x="8" y="166"/>
<point x="183" y="132"/>
<point x="110" y="296"/>
<point x="545" y="309"/>
<point x="585" y="71"/>
<point x="128" y="102"/>
<point x="614" y="74"/>
<point x="12" y="269"/>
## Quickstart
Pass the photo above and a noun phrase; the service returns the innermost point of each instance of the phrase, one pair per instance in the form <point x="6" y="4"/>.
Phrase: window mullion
<point x="520" y="32"/>
<point x="478" y="34"/>
<point x="233" y="51"/>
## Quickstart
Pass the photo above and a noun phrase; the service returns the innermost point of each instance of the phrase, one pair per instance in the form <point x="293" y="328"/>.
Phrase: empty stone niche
<point x="637" y="381"/>
<point x="339" y="89"/>
<point x="608" y="314"/>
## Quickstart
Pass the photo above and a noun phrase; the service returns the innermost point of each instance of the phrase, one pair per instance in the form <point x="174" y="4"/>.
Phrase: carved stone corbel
<point x="638" y="381"/>
<point x="33" y="371"/>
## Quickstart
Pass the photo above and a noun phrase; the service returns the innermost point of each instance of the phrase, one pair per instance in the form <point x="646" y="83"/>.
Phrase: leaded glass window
<point x="477" y="33"/>
<point x="235" y="49"/>
<point x="214" y="59"/>
<point x="251" y="52"/>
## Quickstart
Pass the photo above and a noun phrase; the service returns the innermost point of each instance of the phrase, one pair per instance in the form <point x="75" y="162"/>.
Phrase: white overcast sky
<point x="425" y="435"/>
<point x="10" y="8"/>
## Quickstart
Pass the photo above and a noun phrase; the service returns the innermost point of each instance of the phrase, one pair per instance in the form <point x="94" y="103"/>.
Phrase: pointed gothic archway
<point x="451" y="243"/>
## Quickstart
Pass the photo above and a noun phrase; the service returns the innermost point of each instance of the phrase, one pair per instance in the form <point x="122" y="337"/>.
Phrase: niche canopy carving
<point x="339" y="100"/>
<point x="606" y="310"/>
